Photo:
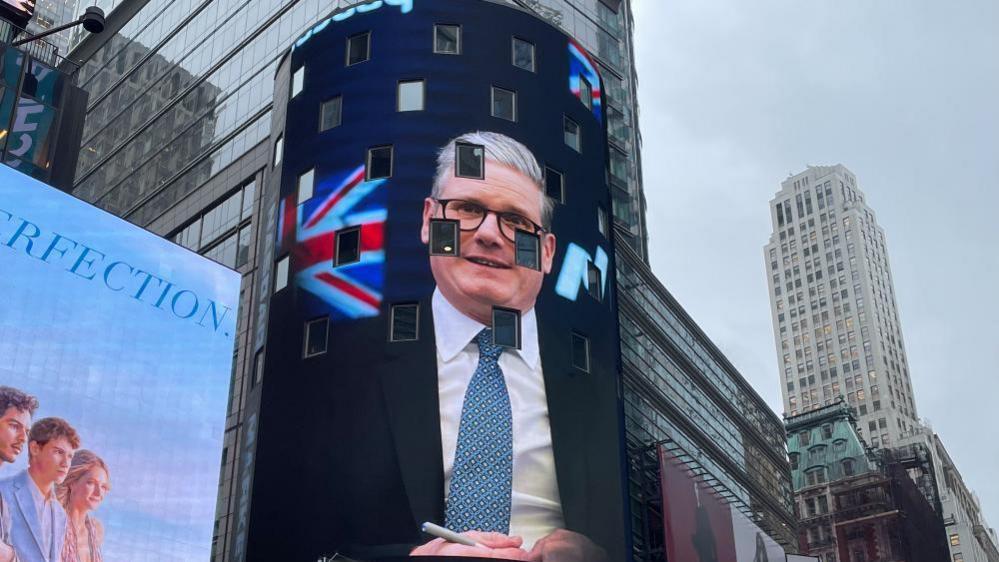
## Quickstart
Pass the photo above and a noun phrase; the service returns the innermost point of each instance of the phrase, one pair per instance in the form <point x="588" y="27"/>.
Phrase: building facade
<point x="177" y="140"/>
<point x="835" y="318"/>
<point x="969" y="536"/>
<point x="858" y="504"/>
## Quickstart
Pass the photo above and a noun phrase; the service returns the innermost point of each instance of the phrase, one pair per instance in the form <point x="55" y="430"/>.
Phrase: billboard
<point x="122" y="344"/>
<point x="700" y="526"/>
<point x="441" y="218"/>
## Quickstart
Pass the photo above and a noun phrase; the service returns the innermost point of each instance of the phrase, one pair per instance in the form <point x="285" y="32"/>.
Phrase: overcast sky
<point x="736" y="95"/>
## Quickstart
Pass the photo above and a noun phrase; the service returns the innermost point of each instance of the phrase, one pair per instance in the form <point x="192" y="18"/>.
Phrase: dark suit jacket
<point x="378" y="464"/>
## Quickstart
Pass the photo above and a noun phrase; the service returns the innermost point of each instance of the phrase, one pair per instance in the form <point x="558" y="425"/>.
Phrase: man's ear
<point x="34" y="448"/>
<point x="547" y="251"/>
<point x="428" y="213"/>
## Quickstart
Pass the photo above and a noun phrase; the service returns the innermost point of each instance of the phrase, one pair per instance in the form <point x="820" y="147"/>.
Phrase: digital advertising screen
<point x="701" y="526"/>
<point x="442" y="340"/>
<point x="116" y="351"/>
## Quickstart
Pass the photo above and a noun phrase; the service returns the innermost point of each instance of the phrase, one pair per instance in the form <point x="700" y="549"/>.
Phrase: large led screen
<point x="116" y="351"/>
<point x="701" y="526"/>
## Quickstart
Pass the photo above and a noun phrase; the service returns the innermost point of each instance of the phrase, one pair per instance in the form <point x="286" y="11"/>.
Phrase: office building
<point x="835" y="318"/>
<point x="969" y="536"/>
<point x="857" y="503"/>
<point x="176" y="140"/>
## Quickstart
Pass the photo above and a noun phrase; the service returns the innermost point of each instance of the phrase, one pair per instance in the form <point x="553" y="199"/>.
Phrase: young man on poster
<point x="16" y="409"/>
<point x="37" y="520"/>
<point x="500" y="480"/>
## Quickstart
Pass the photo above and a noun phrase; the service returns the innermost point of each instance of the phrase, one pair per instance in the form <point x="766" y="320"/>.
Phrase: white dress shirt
<point x="45" y="510"/>
<point x="536" y="509"/>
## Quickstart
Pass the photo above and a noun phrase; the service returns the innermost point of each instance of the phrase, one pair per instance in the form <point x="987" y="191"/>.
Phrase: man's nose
<point x="489" y="231"/>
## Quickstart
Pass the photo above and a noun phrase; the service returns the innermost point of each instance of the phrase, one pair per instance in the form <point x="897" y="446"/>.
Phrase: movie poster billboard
<point x="700" y="526"/>
<point x="116" y="351"/>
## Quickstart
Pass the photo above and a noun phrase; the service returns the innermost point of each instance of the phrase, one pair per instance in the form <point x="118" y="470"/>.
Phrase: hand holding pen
<point x="471" y="543"/>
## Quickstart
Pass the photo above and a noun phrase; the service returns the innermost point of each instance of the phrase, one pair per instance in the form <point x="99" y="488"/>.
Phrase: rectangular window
<point x="444" y="237"/>
<point x="405" y="322"/>
<point x="528" y="252"/>
<point x="469" y="161"/>
<point x="410" y="95"/>
<point x="243" y="248"/>
<point x="523" y="54"/>
<point x="593" y="281"/>
<point x="278" y="149"/>
<point x="348" y="246"/>
<point x="258" y="367"/>
<point x="603" y="222"/>
<point x="585" y="93"/>
<point x="955" y="539"/>
<point x="447" y="39"/>
<point x="581" y="352"/>
<point x="504" y="104"/>
<point x="298" y="81"/>
<point x="330" y="113"/>
<point x="555" y="185"/>
<point x="281" y="273"/>
<point x="379" y="163"/>
<point x="358" y="48"/>
<point x="306" y="181"/>
<point x="506" y="327"/>
<point x="316" y="336"/>
<point x="572" y="134"/>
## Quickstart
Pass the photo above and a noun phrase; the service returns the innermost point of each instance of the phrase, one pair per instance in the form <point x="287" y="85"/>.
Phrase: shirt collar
<point x="454" y="331"/>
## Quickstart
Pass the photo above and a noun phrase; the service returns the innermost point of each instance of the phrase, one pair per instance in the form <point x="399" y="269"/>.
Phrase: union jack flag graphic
<point x="308" y="232"/>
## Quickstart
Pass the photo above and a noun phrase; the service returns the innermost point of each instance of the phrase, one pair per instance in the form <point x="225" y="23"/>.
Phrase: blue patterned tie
<point x="482" y="478"/>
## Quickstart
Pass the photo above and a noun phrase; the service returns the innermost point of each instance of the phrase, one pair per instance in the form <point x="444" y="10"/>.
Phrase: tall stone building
<point x="832" y="298"/>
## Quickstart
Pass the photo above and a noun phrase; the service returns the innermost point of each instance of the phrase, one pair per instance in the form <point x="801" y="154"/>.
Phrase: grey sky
<point x="736" y="95"/>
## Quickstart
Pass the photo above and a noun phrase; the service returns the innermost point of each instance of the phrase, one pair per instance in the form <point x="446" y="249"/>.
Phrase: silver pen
<point x="449" y="535"/>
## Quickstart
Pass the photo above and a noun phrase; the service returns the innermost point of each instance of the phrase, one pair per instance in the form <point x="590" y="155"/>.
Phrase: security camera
<point x="93" y="19"/>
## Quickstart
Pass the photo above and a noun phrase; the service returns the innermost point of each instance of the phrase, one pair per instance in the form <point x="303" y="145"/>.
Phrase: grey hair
<point x="504" y="150"/>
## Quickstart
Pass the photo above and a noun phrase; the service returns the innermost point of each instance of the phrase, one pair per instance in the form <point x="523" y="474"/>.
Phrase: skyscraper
<point x="835" y="319"/>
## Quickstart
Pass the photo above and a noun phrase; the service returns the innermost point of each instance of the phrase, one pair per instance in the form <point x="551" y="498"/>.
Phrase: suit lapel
<point x="568" y="402"/>
<point x="26" y="503"/>
<point x="409" y="383"/>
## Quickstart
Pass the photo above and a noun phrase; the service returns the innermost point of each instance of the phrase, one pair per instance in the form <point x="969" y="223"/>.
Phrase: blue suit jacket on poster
<point x="25" y="528"/>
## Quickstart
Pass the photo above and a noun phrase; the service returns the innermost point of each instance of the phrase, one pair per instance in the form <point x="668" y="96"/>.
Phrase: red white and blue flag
<point x="308" y="232"/>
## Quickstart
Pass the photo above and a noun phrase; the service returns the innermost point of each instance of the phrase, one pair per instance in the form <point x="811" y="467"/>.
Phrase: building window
<point x="330" y="113"/>
<point x="581" y="352"/>
<point x="410" y="95"/>
<point x="504" y="104"/>
<point x="506" y="327"/>
<point x="815" y="476"/>
<point x="793" y="458"/>
<point x="827" y="431"/>
<point x="572" y="134"/>
<point x="316" y="336"/>
<point x="603" y="222"/>
<point x="379" y="163"/>
<point x="358" y="48"/>
<point x="955" y="539"/>
<point x="405" y="325"/>
<point x="298" y="81"/>
<point x="804" y="437"/>
<point x="528" y="247"/>
<point x="849" y="467"/>
<point x="281" y="274"/>
<point x="555" y="185"/>
<point x="306" y="182"/>
<point x="447" y="39"/>
<point x="469" y="161"/>
<point x="278" y="149"/>
<point x="585" y="93"/>
<point x="593" y="280"/>
<point x="348" y="246"/>
<point x="258" y="367"/>
<point x="523" y="54"/>
<point x="958" y="557"/>
<point x="444" y="238"/>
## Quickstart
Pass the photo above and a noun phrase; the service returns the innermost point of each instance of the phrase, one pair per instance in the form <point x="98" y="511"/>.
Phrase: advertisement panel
<point x="116" y="352"/>
<point x="443" y="304"/>
<point x="700" y="526"/>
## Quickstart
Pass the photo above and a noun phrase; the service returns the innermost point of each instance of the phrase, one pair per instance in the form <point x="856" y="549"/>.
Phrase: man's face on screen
<point x="14" y="425"/>
<point x="485" y="274"/>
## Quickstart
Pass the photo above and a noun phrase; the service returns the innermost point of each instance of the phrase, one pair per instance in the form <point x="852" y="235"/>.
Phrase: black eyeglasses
<point x="470" y="216"/>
